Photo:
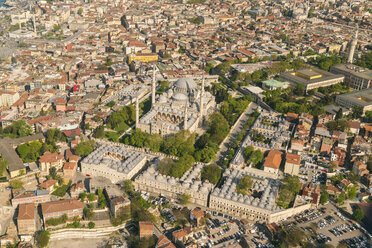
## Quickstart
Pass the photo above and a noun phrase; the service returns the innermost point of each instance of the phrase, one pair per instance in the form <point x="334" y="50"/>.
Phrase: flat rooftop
<point x="361" y="97"/>
<point x="309" y="76"/>
<point x="355" y="70"/>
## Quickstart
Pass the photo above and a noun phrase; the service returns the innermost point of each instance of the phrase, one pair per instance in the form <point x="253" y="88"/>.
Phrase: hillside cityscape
<point x="186" y="123"/>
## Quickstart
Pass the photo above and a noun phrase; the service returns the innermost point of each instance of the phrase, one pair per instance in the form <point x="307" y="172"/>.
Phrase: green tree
<point x="127" y="187"/>
<point x="91" y="225"/>
<point x="299" y="90"/>
<point x="339" y="114"/>
<point x="248" y="152"/>
<point x="17" y="129"/>
<point x="351" y="192"/>
<point x="324" y="196"/>
<point x="53" y="172"/>
<point x="80" y="11"/>
<point x="185" y="199"/>
<point x="245" y="184"/>
<point x="85" y="148"/>
<point x="100" y="132"/>
<point x="358" y="214"/>
<point x="218" y="127"/>
<point x="365" y="60"/>
<point x="88" y="213"/>
<point x="357" y="112"/>
<point x="29" y="152"/>
<point x="42" y="238"/>
<point x="256" y="157"/>
<point x="212" y="173"/>
<point x="110" y="104"/>
<point x="341" y="198"/>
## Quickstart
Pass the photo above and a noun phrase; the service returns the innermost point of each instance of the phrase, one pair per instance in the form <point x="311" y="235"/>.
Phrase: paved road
<point x="224" y="147"/>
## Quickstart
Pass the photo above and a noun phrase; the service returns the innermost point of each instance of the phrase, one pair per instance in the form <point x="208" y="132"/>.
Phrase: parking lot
<point x="328" y="226"/>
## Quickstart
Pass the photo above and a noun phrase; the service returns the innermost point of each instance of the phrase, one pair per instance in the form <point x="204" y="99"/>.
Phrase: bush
<point x="16" y="184"/>
<point x="42" y="238"/>
<point x="91" y="225"/>
<point x="358" y="214"/>
<point x="57" y="221"/>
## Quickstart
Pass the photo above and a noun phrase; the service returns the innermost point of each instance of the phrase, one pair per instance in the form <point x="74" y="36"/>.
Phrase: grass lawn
<point x="61" y="191"/>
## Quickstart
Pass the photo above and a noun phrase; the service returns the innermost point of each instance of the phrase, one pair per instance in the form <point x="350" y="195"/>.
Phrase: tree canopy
<point x="245" y="184"/>
<point x="17" y="129"/>
<point x="85" y="148"/>
<point x="120" y="120"/>
<point x="177" y="168"/>
<point x="358" y="214"/>
<point x="289" y="187"/>
<point x="212" y="173"/>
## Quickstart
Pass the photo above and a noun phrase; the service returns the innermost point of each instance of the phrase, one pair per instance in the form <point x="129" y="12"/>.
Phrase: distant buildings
<point x="358" y="77"/>
<point x="362" y="98"/>
<point x="311" y="78"/>
<point x="143" y="57"/>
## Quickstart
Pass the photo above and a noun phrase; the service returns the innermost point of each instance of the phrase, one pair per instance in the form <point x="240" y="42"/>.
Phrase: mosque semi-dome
<point x="185" y="84"/>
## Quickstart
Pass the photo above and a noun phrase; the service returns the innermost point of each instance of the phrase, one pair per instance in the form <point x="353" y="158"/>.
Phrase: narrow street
<point x="224" y="147"/>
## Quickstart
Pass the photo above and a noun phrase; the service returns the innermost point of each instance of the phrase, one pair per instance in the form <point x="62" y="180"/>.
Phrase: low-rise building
<point x="26" y="219"/>
<point x="35" y="197"/>
<point x="56" y="209"/>
<point x="153" y="182"/>
<point x="146" y="229"/>
<point x="273" y="161"/>
<point x="48" y="184"/>
<point x="117" y="204"/>
<point x="292" y="164"/>
<point x="196" y="214"/>
<point x="49" y="160"/>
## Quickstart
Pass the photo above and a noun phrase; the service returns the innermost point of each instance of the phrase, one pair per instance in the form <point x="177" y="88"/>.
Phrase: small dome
<point x="180" y="97"/>
<point x="163" y="98"/>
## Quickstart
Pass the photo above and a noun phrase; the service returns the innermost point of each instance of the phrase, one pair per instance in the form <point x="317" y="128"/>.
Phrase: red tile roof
<point x="61" y="206"/>
<point x="273" y="159"/>
<point x="26" y="211"/>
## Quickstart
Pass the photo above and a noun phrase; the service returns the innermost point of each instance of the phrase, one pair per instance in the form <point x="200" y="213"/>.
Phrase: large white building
<point x="7" y="99"/>
<point x="153" y="182"/>
<point x="259" y="206"/>
<point x="116" y="163"/>
<point x="182" y="107"/>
